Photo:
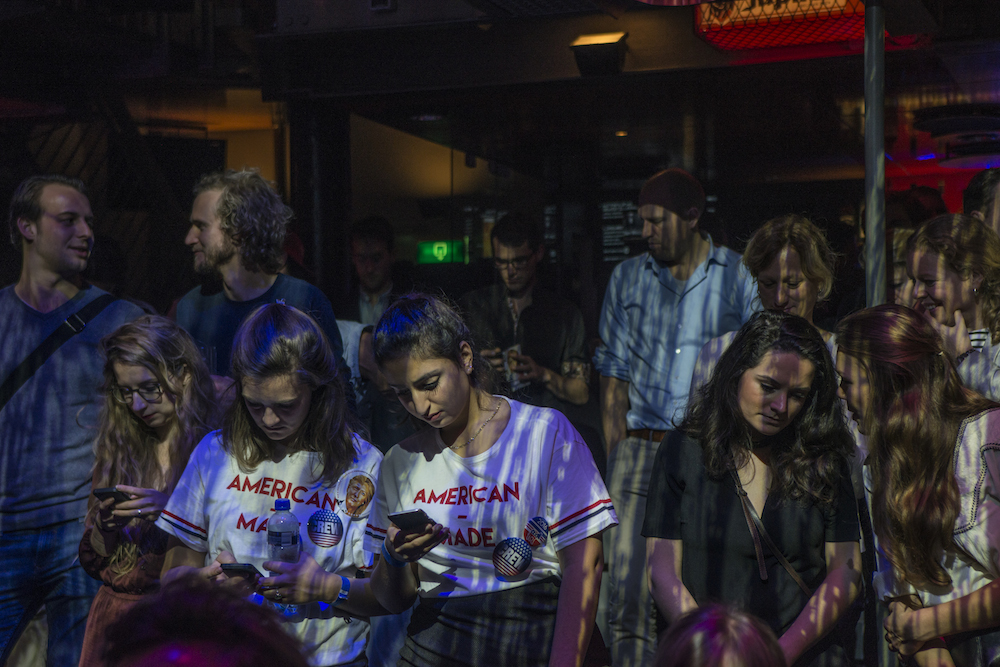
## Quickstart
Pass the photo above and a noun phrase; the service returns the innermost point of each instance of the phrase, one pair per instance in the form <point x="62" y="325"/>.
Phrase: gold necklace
<point x="469" y="441"/>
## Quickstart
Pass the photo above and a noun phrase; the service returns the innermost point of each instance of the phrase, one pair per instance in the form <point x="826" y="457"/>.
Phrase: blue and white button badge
<point x="325" y="528"/>
<point x="511" y="559"/>
<point x="536" y="533"/>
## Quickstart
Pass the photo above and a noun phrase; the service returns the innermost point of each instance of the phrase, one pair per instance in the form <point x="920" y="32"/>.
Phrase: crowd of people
<point x="739" y="479"/>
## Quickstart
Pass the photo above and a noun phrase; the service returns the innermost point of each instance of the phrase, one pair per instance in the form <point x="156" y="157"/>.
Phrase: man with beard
<point x="238" y="224"/>
<point x="660" y="308"/>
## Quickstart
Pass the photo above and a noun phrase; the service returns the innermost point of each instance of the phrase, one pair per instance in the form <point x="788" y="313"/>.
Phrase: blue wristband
<point x="345" y="590"/>
<point x="395" y="562"/>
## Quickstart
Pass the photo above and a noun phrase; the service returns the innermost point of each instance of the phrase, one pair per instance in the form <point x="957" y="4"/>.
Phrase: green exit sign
<point x="440" y="252"/>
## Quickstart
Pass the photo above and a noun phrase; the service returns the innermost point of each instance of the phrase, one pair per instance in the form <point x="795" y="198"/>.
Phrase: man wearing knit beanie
<point x="660" y="308"/>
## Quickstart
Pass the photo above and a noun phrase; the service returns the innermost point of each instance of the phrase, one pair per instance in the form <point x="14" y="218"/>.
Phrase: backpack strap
<point x="72" y="325"/>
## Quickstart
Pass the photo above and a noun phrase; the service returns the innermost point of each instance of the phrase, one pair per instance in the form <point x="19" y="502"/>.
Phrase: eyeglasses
<point x="150" y="393"/>
<point x="514" y="262"/>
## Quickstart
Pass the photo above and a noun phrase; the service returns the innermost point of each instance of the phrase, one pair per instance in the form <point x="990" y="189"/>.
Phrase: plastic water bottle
<point x="283" y="533"/>
<point x="283" y="541"/>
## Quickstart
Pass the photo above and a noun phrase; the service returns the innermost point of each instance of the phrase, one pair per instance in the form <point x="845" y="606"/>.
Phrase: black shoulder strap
<point x="759" y="533"/>
<point x="73" y="325"/>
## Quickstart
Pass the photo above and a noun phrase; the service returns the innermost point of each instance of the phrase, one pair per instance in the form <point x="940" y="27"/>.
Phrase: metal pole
<point x="874" y="152"/>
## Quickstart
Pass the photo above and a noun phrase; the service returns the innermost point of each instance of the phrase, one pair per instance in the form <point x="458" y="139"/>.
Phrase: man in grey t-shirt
<point x="47" y="425"/>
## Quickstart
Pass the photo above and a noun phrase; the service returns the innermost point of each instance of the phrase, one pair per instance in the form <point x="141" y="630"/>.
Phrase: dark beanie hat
<point x="675" y="190"/>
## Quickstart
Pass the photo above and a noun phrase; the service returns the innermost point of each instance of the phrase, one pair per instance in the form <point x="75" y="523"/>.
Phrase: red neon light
<point x="759" y="24"/>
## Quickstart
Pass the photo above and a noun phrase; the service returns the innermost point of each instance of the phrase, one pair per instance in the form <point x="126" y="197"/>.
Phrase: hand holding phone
<point x="414" y="534"/>
<point x="111" y="492"/>
<point x="411" y="520"/>
<point x="247" y="570"/>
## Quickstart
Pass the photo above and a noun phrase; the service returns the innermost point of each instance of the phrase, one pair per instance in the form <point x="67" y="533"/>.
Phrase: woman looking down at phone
<point x="158" y="403"/>
<point x="285" y="437"/>
<point x="507" y="557"/>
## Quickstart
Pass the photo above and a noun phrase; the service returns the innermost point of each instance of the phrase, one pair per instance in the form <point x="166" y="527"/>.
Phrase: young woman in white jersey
<point x="507" y="564"/>
<point x="287" y="436"/>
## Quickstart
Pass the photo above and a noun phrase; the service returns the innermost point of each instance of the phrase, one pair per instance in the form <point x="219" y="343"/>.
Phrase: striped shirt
<point x="979" y="338"/>
<point x="652" y="329"/>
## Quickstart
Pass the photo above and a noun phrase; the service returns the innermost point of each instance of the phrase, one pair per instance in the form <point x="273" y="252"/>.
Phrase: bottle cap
<point x="282" y="504"/>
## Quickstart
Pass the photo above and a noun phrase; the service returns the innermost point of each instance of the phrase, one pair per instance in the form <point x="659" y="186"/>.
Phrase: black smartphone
<point x="241" y="570"/>
<point x="411" y="520"/>
<point x="111" y="492"/>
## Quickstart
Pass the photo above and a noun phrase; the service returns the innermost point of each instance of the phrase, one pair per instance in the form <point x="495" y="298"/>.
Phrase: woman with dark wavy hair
<point x="286" y="437"/>
<point x="933" y="477"/>
<point x="761" y="455"/>
<point x="158" y="403"/>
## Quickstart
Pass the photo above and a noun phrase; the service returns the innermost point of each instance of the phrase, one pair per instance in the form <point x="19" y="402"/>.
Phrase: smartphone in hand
<point x="241" y="570"/>
<point x="111" y="492"/>
<point x="411" y="520"/>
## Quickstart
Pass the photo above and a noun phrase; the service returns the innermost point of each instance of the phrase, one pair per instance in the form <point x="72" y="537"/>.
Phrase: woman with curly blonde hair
<point x="954" y="263"/>
<point x="158" y="403"/>
<point x="793" y="265"/>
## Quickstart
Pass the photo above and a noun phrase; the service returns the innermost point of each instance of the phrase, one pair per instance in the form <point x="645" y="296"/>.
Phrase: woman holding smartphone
<point x="285" y="437"/>
<point x="505" y="552"/>
<point x="158" y="403"/>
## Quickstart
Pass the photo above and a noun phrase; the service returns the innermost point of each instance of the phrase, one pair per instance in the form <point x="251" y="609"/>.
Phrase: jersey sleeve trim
<point x="184" y="526"/>
<point x="583" y="515"/>
<point x="374" y="532"/>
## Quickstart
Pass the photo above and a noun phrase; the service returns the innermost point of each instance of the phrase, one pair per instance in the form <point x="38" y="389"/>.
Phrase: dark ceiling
<point x="510" y="91"/>
<point x="497" y="79"/>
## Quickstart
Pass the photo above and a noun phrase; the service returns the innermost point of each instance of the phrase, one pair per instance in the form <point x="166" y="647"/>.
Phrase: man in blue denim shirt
<point x="659" y="310"/>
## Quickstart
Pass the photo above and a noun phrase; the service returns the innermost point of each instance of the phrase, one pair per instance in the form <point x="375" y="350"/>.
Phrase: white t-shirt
<point x="539" y="467"/>
<point x="217" y="507"/>
<point x="977" y="526"/>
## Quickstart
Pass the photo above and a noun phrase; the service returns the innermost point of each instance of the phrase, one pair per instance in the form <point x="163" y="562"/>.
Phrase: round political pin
<point x="325" y="528"/>
<point x="511" y="559"/>
<point x="536" y="532"/>
<point x="354" y="492"/>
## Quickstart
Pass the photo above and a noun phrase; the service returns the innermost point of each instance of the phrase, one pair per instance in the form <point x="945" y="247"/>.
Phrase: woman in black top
<point x="767" y="426"/>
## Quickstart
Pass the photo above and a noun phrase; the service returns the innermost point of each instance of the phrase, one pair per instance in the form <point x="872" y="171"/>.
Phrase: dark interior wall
<point x="454" y="56"/>
<point x="320" y="149"/>
<point x="142" y="252"/>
